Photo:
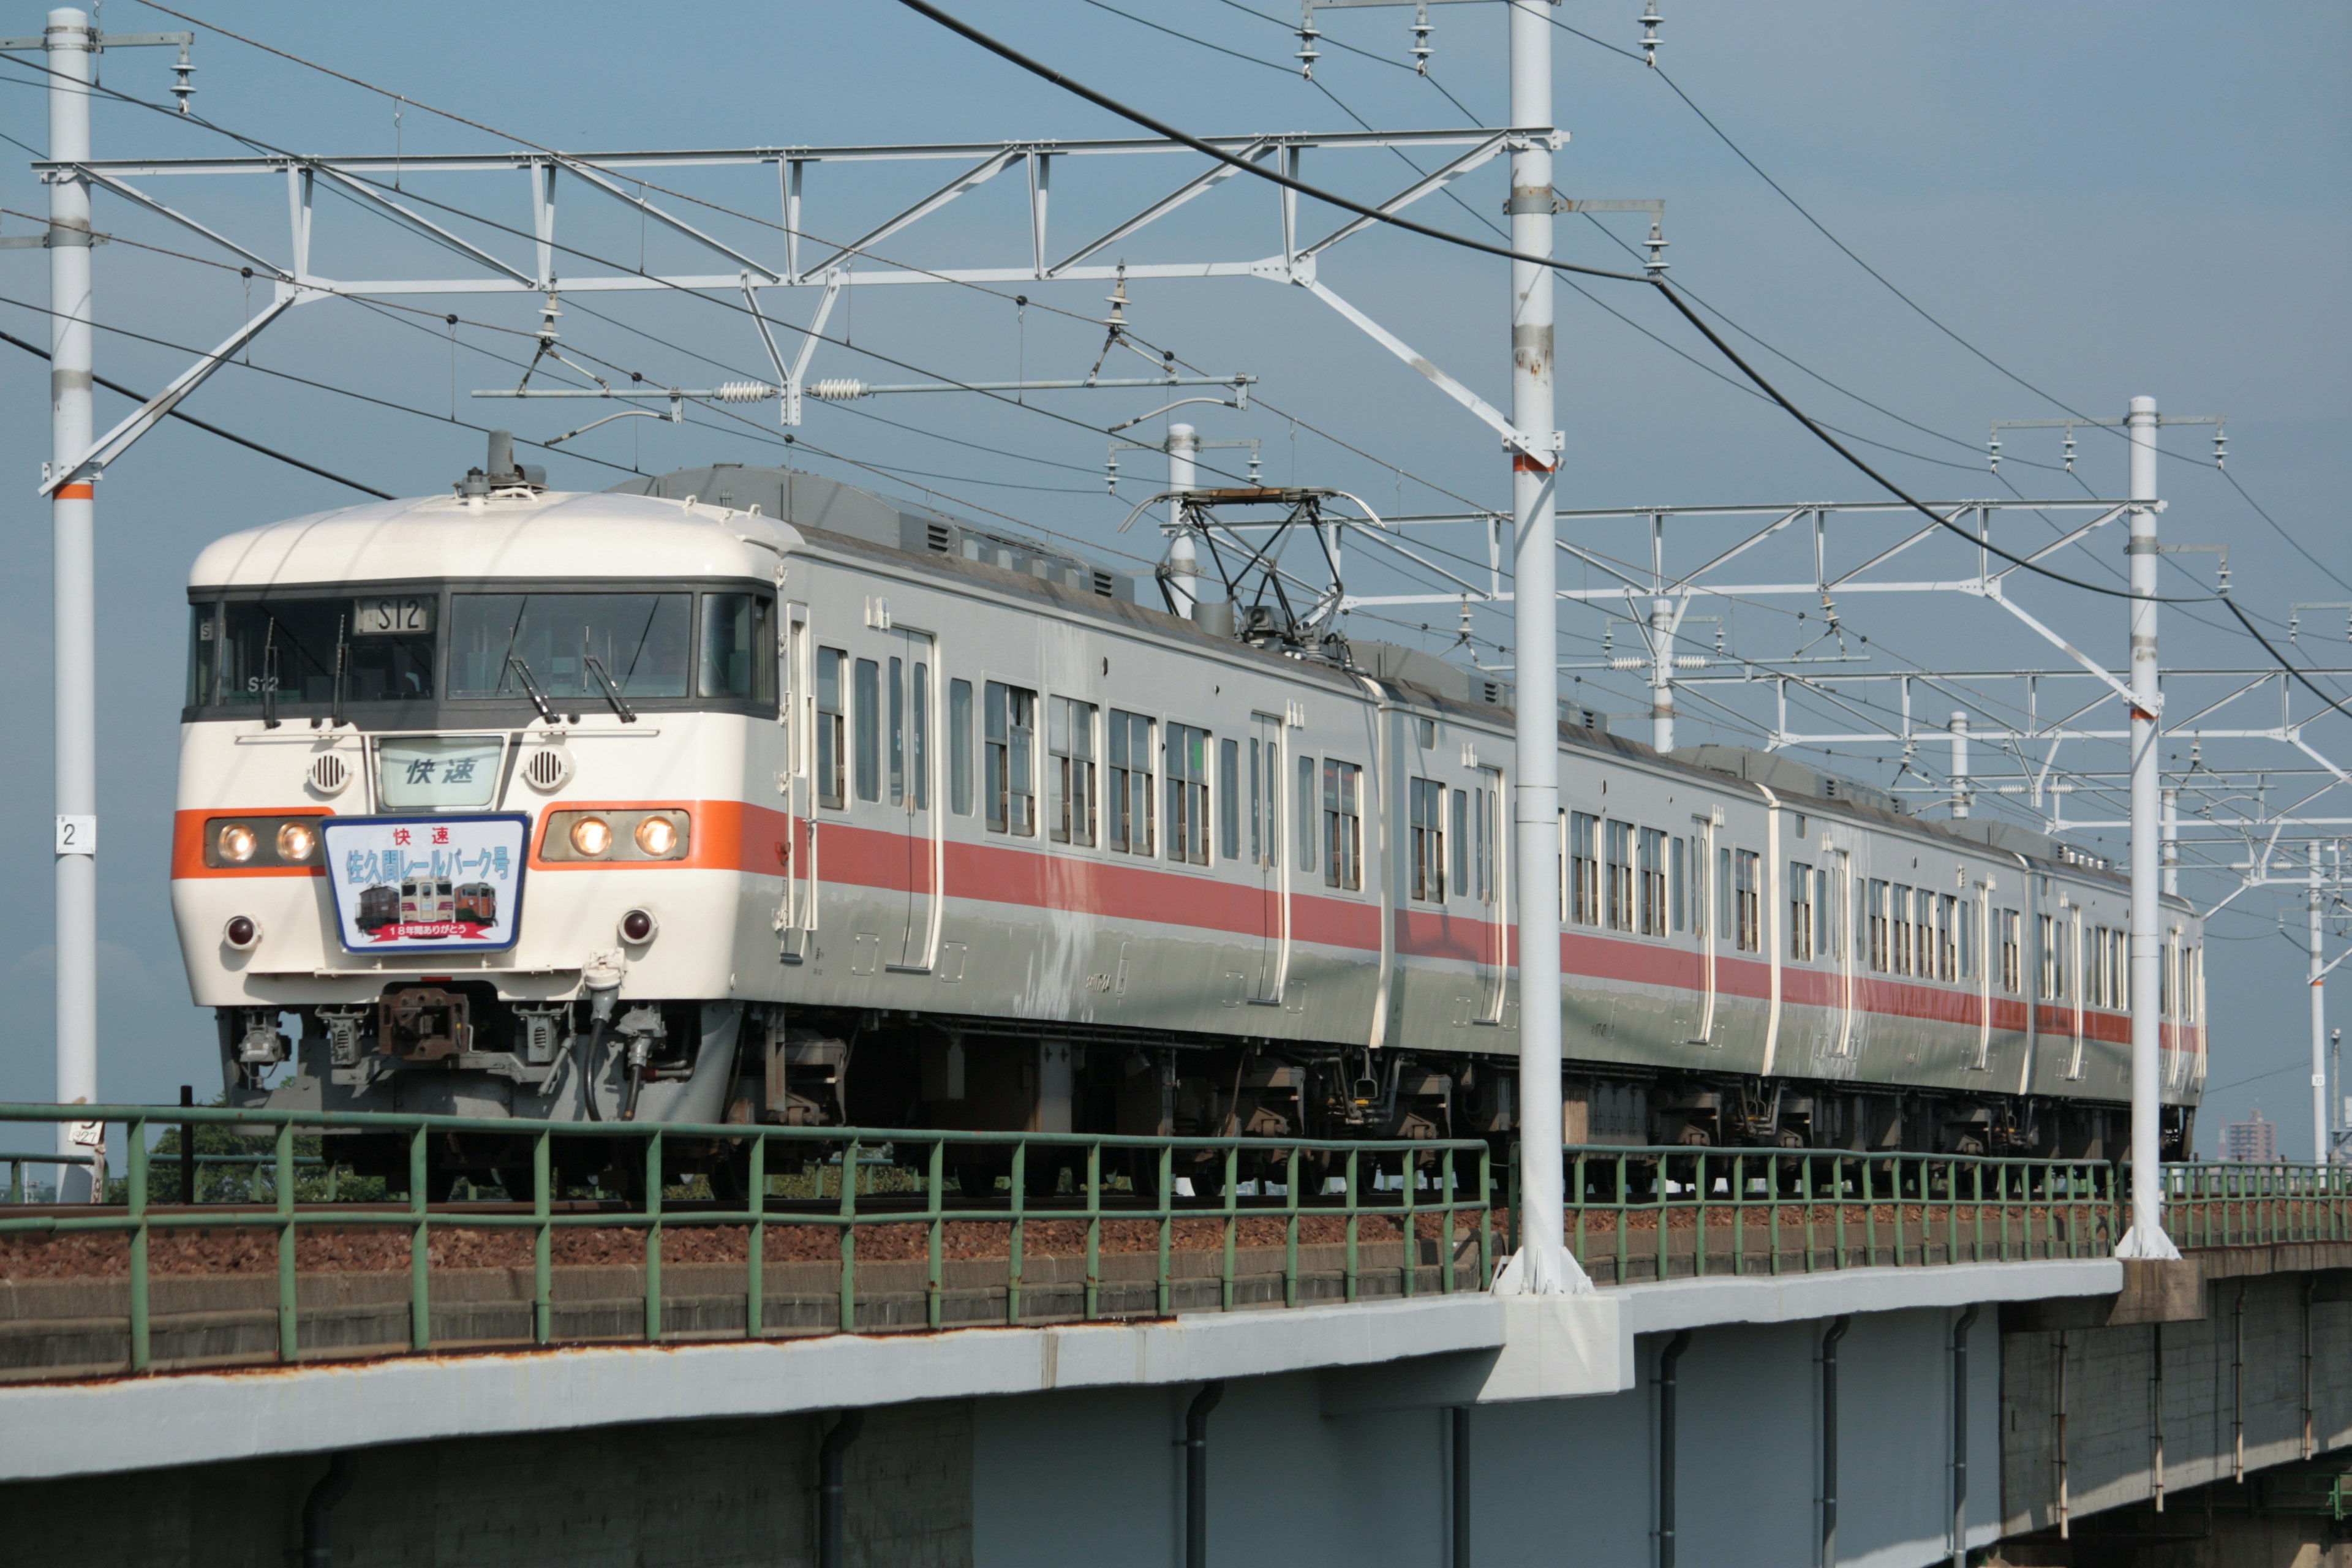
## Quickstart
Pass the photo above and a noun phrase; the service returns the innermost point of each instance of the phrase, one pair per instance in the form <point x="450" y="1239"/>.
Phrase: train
<point x="837" y="811"/>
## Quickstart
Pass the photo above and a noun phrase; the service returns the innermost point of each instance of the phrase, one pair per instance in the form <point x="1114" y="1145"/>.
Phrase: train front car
<point x="462" y="823"/>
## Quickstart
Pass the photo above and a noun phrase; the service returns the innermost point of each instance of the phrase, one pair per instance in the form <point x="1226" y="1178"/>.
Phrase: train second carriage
<point x="835" y="810"/>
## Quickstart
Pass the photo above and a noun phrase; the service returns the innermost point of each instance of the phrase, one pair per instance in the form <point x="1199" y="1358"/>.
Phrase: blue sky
<point x="2106" y="199"/>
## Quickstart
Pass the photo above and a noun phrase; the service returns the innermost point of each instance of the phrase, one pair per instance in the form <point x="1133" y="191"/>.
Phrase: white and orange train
<point x="757" y="796"/>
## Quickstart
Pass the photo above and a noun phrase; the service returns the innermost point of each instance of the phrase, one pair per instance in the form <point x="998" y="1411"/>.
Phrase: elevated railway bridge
<point x="862" y="1349"/>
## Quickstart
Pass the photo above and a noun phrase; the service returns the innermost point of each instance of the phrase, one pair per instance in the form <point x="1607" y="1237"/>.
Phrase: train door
<point x="1488" y="865"/>
<point x="796" y="721"/>
<point x="909" y="723"/>
<point x="1265" y="850"/>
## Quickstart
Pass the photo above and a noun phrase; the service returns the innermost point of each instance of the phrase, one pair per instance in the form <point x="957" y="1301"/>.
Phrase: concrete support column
<point x="2145" y="1238"/>
<point x="1544" y="1266"/>
<point x="71" y="45"/>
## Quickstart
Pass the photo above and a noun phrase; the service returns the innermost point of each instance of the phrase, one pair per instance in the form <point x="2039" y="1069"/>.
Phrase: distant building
<point x="2251" y="1143"/>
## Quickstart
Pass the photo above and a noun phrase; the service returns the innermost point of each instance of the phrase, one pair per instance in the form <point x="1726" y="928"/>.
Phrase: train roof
<point x="516" y="532"/>
<point x="732" y="520"/>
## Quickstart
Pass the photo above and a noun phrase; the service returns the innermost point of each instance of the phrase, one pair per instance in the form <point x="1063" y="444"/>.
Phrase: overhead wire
<point x="211" y="429"/>
<point x="410" y="102"/>
<point x="1062" y="81"/>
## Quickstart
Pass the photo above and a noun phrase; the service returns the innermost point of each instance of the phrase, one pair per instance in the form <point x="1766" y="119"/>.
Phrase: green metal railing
<point x="16" y="1163"/>
<point x="2218" y="1203"/>
<point x="1665" y="1212"/>
<point x="1318" y="1196"/>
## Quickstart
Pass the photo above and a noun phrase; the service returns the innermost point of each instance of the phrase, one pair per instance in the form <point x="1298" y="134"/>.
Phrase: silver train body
<point x="798" y="806"/>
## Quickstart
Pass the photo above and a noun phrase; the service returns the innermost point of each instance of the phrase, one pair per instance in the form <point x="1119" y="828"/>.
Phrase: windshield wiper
<point x="612" y="692"/>
<point x="336" y="720"/>
<point x="531" y="687"/>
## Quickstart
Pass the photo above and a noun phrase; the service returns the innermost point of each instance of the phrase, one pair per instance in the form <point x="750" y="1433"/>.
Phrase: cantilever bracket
<point x="1991" y="589"/>
<point x="117" y="441"/>
<point x="1543" y="450"/>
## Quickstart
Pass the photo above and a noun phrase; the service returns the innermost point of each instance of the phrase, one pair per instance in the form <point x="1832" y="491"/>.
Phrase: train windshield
<point x="571" y="644"/>
<point x="294" y="647"/>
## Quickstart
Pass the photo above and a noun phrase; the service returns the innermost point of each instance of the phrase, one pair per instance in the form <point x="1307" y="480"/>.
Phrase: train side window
<point x="2045" y="980"/>
<point x="1011" y="735"/>
<point x="1427" y="828"/>
<point x="1967" y="938"/>
<point x="1188" y="793"/>
<point x="1584" y="868"/>
<point x="896" y="696"/>
<point x="1677" y="881"/>
<point x="2011" y="977"/>
<point x="1881" y="958"/>
<point x="204" y="643"/>
<point x="1948" y="921"/>
<point x="920" y="696"/>
<point x="1723" y="901"/>
<point x="832" y="752"/>
<point x="1131" y="805"/>
<point x="1070" y="742"/>
<point x="1744" y="885"/>
<point x="1489" y="805"/>
<point x="1302" y="823"/>
<point x="737" y="657"/>
<point x="1343" y="826"/>
<point x="865" y="728"/>
<point x="1459" y="844"/>
<point x="1229" y="799"/>
<point x="960" y="747"/>
<point x="1652" y="865"/>
<point x="1801" y="910"/>
<point x="1621" y="875"/>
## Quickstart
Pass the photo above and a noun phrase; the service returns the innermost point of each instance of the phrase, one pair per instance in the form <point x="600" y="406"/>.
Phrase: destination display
<point x="426" y="883"/>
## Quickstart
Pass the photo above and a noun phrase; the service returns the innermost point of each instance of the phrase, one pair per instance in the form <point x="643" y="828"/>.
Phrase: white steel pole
<point x="71" y="43"/>
<point x="2145" y="1238"/>
<point x="2171" y="843"/>
<point x="2316" y="902"/>
<point x="1544" y="1266"/>
<point x="1959" y="766"/>
<point x="1662" y="671"/>
<point x="1184" y="563"/>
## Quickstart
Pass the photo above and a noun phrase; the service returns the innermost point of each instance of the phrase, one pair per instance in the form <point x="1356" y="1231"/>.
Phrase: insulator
<point x="837" y="389"/>
<point x="183" y="87"/>
<point x="747" y="391"/>
<point x="2069" y="448"/>
<point x="2220" y="450"/>
<point x="1690" y="661"/>
<point x="1993" y="447"/>
<point x="1650" y="20"/>
<point x="1629" y="662"/>
<point x="1421" y="39"/>
<point x="1308" y="54"/>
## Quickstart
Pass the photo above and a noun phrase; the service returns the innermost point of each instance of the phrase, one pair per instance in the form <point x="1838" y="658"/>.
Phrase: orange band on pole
<point x="77" y="492"/>
<point x="1523" y="464"/>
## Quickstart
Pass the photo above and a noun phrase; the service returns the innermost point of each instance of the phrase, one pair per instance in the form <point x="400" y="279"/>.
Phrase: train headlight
<point x="592" y="837"/>
<point x="236" y="843"/>
<point x="241" y="933"/>
<point x="296" y="842"/>
<point x="638" y="926"/>
<point x="658" y="837"/>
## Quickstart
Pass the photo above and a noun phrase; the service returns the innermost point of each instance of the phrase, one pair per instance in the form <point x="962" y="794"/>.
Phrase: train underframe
<point x="767" y="1063"/>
